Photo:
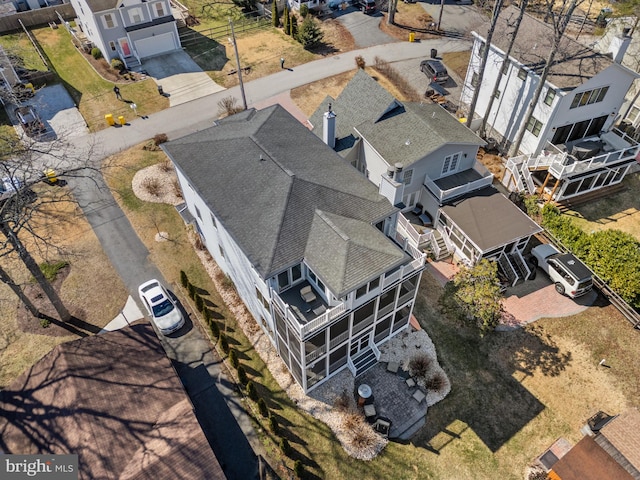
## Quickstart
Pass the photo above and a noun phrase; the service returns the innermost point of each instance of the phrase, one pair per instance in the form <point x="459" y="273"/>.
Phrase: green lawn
<point x="513" y="393"/>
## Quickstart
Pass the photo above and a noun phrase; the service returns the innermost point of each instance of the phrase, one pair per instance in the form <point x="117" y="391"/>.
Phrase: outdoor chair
<point x="382" y="426"/>
<point x="393" y="367"/>
<point x="417" y="210"/>
<point x="425" y="219"/>
<point x="307" y="294"/>
<point x="419" y="396"/>
<point x="370" y="411"/>
<point x="410" y="382"/>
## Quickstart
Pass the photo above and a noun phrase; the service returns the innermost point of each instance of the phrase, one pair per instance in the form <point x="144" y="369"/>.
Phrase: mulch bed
<point x="56" y="328"/>
<point x="103" y="69"/>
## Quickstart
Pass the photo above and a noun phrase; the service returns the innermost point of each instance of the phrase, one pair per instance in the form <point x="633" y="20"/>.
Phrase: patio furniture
<point x="382" y="426"/>
<point x="425" y="219"/>
<point x="370" y="411"/>
<point x="419" y="396"/>
<point x="307" y="294"/>
<point x="393" y="367"/>
<point x="417" y="210"/>
<point x="410" y="382"/>
<point x="319" y="310"/>
<point x="364" y="393"/>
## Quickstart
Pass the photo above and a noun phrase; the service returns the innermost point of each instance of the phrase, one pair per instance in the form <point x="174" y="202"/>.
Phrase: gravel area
<point x="356" y="436"/>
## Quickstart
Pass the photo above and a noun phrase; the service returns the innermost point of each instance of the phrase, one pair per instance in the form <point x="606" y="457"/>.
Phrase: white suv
<point x="570" y="275"/>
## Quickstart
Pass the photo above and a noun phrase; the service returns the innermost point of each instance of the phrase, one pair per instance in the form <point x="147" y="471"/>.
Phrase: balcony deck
<point x="457" y="179"/>
<point x="304" y="311"/>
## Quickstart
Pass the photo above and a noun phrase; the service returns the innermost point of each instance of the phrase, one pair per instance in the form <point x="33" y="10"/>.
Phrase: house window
<point x="263" y="301"/>
<point x="160" y="9"/>
<point x="522" y="73"/>
<point x="450" y="163"/>
<point x="296" y="273"/>
<point x="551" y="94"/>
<point x="213" y="221"/>
<point x="482" y="49"/>
<point x="109" y="21"/>
<point x="198" y="212"/>
<point x="634" y="115"/>
<point x="283" y="280"/>
<point x="534" y="126"/>
<point x="112" y="46"/>
<point x="474" y="79"/>
<point x="221" y="250"/>
<point x="587" y="98"/>
<point x="505" y="67"/>
<point x="407" y="177"/>
<point x="497" y="94"/>
<point x="135" y="15"/>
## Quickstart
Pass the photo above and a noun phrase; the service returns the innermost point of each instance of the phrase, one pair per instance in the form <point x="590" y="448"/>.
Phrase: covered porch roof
<point x="489" y="219"/>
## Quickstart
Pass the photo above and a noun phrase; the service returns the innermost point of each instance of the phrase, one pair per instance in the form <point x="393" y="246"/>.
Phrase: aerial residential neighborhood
<point x="319" y="240"/>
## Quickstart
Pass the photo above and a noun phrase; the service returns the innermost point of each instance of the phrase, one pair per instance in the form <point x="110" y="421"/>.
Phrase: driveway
<point x="460" y="19"/>
<point x="181" y="79"/>
<point x="364" y="28"/>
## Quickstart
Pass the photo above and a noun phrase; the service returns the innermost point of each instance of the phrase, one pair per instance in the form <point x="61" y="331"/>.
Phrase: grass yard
<point x="92" y="291"/>
<point x="18" y="47"/>
<point x="514" y="393"/>
<point x="92" y="93"/>
<point x="620" y="211"/>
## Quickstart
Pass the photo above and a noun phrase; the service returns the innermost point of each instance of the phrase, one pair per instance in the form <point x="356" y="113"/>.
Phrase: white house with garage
<point x="427" y="162"/>
<point x="309" y="243"/>
<point x="571" y="145"/>
<point x="130" y="30"/>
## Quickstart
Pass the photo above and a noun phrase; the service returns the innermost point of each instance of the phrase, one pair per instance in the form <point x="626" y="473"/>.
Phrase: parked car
<point x="570" y="275"/>
<point x="30" y="121"/>
<point x="434" y="70"/>
<point x="162" y="309"/>
<point x="365" y="6"/>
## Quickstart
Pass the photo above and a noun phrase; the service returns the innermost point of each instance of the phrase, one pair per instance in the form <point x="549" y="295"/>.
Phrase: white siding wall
<point x="92" y="30"/>
<point x="234" y="262"/>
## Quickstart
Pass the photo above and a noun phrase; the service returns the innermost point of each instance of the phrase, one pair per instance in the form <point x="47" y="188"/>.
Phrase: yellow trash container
<point x="121" y="120"/>
<point x="412" y="36"/>
<point x="51" y="176"/>
<point x="109" y="118"/>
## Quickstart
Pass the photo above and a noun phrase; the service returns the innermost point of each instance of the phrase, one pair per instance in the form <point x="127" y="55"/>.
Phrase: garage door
<point x="155" y="45"/>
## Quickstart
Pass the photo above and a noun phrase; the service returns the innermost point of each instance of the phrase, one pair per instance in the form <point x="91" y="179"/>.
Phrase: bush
<point x="117" y="64"/>
<point x="44" y="323"/>
<point x="215" y="330"/>
<point x="262" y="407"/>
<point x="252" y="393"/>
<point x="191" y="290"/>
<point x="273" y="424"/>
<point x="293" y="26"/>
<point x="419" y="366"/>
<point x="184" y="280"/>
<point x="199" y="303"/>
<point x="159" y="138"/>
<point x="153" y="186"/>
<point x="298" y="468"/>
<point x="233" y="359"/>
<point x="224" y="344"/>
<point x="285" y="447"/>
<point x="242" y="375"/>
<point x="435" y="383"/>
<point x="166" y="166"/>
<point x="228" y="106"/>
<point x="96" y="53"/>
<point x="342" y="402"/>
<point x="50" y="270"/>
<point x="304" y="10"/>
<point x="177" y="191"/>
<point x="360" y="63"/>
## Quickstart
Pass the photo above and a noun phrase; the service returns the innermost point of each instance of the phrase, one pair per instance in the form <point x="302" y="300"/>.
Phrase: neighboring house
<point x="13" y="6"/>
<point x="311" y="4"/>
<point x="425" y="161"/>
<point x="114" y="400"/>
<point x="130" y="30"/>
<point x="611" y="450"/>
<point x="570" y="146"/>
<point x="306" y="240"/>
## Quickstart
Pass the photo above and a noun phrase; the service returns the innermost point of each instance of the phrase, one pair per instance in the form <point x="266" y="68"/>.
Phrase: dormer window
<point x="135" y="15"/>
<point x="109" y="21"/>
<point x="159" y="9"/>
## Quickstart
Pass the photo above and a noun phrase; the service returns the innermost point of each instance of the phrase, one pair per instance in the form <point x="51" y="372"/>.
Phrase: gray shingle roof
<point x="264" y="175"/>
<point x="356" y="250"/>
<point x="489" y="219"/>
<point x="574" y="64"/>
<point x="401" y="132"/>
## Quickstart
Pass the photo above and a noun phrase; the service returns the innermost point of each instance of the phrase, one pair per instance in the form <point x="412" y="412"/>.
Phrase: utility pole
<point x="235" y="47"/>
<point x="440" y="14"/>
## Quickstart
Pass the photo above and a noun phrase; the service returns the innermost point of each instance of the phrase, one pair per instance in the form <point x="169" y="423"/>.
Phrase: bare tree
<point x="497" y="6"/>
<point x="559" y="18"/>
<point x="496" y="86"/>
<point x="28" y="204"/>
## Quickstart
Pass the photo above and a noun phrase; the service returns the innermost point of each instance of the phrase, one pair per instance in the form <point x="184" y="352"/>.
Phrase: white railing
<point x="411" y="233"/>
<point x="311" y="356"/>
<point x="486" y="180"/>
<point x="572" y="165"/>
<point x="403" y="272"/>
<point x="322" y="320"/>
<point x="375" y="349"/>
<point x="351" y="366"/>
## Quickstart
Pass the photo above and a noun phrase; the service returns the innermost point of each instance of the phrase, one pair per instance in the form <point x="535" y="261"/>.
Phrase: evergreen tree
<point x="310" y="34"/>
<point x="285" y="20"/>
<point x="293" y="26"/>
<point x="184" y="281"/>
<point x="274" y="14"/>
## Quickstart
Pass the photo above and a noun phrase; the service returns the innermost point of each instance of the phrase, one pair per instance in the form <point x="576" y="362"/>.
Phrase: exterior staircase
<point x="364" y="361"/>
<point x="519" y="265"/>
<point x="439" y="246"/>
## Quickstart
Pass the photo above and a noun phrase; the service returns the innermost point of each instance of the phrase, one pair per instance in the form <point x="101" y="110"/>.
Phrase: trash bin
<point x="434" y="53"/>
<point x="412" y="36"/>
<point x="160" y="90"/>
<point x="109" y="118"/>
<point x="121" y="120"/>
